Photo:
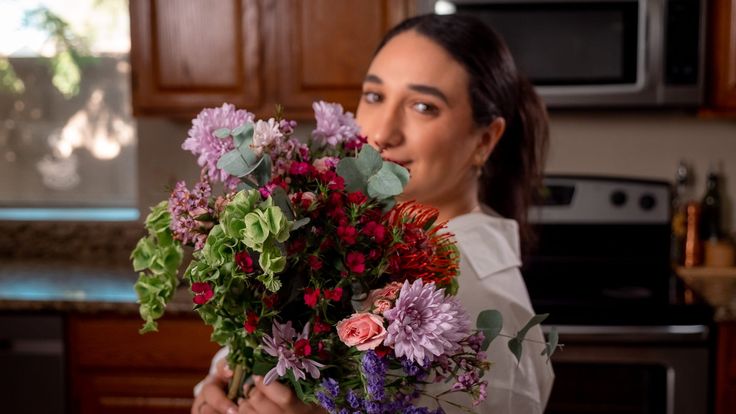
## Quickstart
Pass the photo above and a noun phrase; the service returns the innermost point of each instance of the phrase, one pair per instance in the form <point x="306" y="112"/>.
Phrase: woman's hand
<point x="212" y="398"/>
<point x="273" y="398"/>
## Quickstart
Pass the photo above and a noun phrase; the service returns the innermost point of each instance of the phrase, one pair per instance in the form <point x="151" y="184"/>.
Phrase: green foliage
<point x="157" y="258"/>
<point x="372" y="175"/>
<point x="490" y="322"/>
<point x="9" y="81"/>
<point x="515" y="343"/>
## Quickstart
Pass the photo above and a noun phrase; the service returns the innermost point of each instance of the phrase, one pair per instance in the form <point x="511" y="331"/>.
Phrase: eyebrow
<point x="425" y="89"/>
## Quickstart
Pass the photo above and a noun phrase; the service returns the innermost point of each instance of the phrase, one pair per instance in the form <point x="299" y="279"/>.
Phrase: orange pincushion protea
<point x="422" y="252"/>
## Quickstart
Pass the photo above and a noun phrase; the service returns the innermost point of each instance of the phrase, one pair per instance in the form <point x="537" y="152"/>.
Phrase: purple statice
<point x="334" y="125"/>
<point x="331" y="386"/>
<point x="425" y="323"/>
<point x="353" y="399"/>
<point x="281" y="346"/>
<point x="327" y="402"/>
<point x="374" y="369"/>
<point x="202" y="142"/>
<point x="187" y="208"/>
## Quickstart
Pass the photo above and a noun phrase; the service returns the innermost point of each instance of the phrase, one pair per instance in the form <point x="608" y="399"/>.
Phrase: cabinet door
<point x="726" y="369"/>
<point x="326" y="46"/>
<point x="723" y="52"/>
<point x="190" y="54"/>
<point x="114" y="369"/>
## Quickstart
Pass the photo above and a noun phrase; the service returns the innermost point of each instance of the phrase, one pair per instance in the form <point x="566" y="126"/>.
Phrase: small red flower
<point x="375" y="230"/>
<point x="320" y="327"/>
<point x="311" y="296"/>
<point x="270" y="300"/>
<point x="302" y="348"/>
<point x="299" y="168"/>
<point x="382" y="350"/>
<point x="202" y="292"/>
<point x="355" y="261"/>
<point x="373" y="254"/>
<point x="333" y="294"/>
<point x="347" y="234"/>
<point x="314" y="262"/>
<point x="326" y="244"/>
<point x="295" y="246"/>
<point x="356" y="143"/>
<point x="251" y="322"/>
<point x="244" y="261"/>
<point x="321" y="351"/>
<point x="357" y="198"/>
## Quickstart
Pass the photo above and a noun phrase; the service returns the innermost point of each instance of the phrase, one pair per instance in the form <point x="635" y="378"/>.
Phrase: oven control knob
<point x="647" y="202"/>
<point x="618" y="198"/>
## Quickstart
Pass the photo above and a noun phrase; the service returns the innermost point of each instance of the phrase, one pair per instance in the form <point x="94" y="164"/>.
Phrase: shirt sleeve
<point x="222" y="353"/>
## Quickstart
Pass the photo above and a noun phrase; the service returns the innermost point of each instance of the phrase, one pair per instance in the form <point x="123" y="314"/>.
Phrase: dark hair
<point x="512" y="174"/>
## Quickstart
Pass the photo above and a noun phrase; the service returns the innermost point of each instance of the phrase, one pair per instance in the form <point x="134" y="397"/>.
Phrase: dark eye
<point x="371" y="97"/>
<point x="425" y="108"/>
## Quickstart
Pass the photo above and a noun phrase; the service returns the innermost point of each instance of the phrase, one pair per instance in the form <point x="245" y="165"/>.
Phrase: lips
<point x="401" y="163"/>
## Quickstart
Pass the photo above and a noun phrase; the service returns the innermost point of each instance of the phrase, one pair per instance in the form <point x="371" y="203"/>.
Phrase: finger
<point x="244" y="407"/>
<point x="262" y="404"/>
<point x="280" y="394"/>
<point x="216" y="399"/>
<point x="223" y="371"/>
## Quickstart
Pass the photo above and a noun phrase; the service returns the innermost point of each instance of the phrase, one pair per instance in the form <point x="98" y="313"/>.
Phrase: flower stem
<point x="236" y="384"/>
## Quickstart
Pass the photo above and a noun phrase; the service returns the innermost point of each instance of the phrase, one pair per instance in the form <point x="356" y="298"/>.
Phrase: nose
<point x="384" y="129"/>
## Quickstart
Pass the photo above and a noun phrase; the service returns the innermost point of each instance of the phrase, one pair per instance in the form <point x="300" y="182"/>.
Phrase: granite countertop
<point x="43" y="285"/>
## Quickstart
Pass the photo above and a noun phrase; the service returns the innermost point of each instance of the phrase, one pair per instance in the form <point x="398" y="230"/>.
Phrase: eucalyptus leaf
<point x="243" y="134"/>
<point x="400" y="172"/>
<point x="369" y="161"/>
<point x="355" y="180"/>
<point x="262" y="171"/>
<point x="248" y="155"/>
<point x="384" y="184"/>
<point x="515" y="348"/>
<point x="490" y="323"/>
<point x="222" y="133"/>
<point x="279" y="197"/>
<point x="300" y="223"/>
<point x="552" y="341"/>
<point x="535" y="320"/>
<point x="233" y="163"/>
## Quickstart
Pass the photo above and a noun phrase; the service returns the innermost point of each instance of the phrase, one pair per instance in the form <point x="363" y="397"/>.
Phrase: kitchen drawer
<point x="114" y="342"/>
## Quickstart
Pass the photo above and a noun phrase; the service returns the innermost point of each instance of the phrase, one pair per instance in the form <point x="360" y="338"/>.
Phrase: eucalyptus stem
<point x="236" y="384"/>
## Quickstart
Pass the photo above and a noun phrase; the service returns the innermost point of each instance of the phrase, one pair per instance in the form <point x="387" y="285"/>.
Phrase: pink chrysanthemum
<point x="202" y="142"/>
<point x="334" y="126"/>
<point x="425" y="323"/>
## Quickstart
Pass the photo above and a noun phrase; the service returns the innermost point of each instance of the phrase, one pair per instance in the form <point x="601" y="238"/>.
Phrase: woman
<point x="443" y="98"/>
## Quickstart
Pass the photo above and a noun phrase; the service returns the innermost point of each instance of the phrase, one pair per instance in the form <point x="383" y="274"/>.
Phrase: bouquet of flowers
<point x="310" y="272"/>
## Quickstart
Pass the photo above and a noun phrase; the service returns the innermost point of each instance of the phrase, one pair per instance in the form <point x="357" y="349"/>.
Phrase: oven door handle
<point x="602" y="333"/>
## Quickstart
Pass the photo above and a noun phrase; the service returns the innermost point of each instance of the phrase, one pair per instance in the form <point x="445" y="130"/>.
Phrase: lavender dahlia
<point x="424" y="322"/>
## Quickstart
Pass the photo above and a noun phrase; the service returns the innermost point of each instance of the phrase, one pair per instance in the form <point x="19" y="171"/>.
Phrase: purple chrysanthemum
<point x="281" y="345"/>
<point x="424" y="322"/>
<point x="334" y="125"/>
<point x="202" y="142"/>
<point x="186" y="208"/>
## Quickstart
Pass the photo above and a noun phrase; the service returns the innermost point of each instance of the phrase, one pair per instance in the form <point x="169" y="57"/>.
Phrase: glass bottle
<point x="710" y="209"/>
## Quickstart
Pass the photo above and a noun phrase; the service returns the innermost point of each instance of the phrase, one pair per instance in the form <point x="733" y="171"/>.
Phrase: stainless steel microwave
<point x="602" y="53"/>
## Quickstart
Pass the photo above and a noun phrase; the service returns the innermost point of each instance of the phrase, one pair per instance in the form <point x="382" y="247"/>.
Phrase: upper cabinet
<point x="723" y="55"/>
<point x="191" y="54"/>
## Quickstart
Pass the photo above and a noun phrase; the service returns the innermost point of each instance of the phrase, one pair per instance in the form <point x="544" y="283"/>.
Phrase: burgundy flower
<point x="375" y="230"/>
<point x="302" y="348"/>
<point x="320" y="327"/>
<point x="251" y="322"/>
<point x="355" y="261"/>
<point x="333" y="294"/>
<point x="311" y="296"/>
<point x="270" y="300"/>
<point x="202" y="292"/>
<point x="299" y="168"/>
<point x="244" y="261"/>
<point x="347" y="234"/>
<point x="314" y="262"/>
<point x="357" y="198"/>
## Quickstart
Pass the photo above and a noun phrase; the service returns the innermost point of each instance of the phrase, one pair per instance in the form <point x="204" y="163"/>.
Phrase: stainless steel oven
<point x="632" y="369"/>
<point x="601" y="269"/>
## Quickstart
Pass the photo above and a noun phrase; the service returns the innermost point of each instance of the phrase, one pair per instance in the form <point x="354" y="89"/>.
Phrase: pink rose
<point x="382" y="305"/>
<point x="390" y="291"/>
<point x="364" y="331"/>
<point x="325" y="163"/>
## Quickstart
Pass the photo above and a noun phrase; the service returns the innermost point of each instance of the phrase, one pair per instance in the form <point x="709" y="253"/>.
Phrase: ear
<point x="490" y="136"/>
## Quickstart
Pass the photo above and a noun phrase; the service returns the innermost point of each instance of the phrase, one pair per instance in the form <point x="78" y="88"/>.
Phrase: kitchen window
<point x="67" y="136"/>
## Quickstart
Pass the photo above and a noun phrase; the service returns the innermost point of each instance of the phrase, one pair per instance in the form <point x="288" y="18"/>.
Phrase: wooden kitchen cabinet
<point x="726" y="369"/>
<point x="190" y="54"/>
<point x="723" y="56"/>
<point x="113" y="369"/>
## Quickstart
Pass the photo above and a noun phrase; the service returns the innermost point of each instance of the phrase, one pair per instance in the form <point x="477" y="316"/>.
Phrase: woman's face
<point x="416" y="109"/>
